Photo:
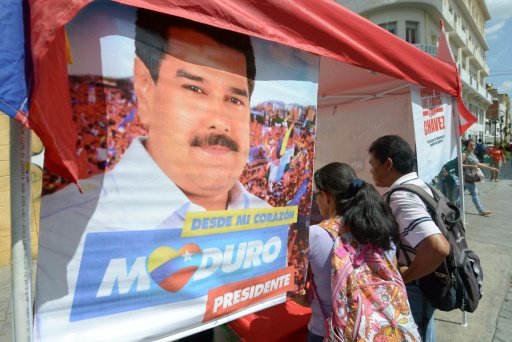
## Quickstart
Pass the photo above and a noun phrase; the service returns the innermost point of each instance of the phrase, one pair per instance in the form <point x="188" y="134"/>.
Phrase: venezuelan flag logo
<point x="172" y="269"/>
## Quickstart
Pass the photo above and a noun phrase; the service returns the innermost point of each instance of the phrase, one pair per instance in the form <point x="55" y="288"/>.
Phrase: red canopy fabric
<point x="322" y="27"/>
<point x="444" y="53"/>
<point x="50" y="107"/>
<point x="283" y="322"/>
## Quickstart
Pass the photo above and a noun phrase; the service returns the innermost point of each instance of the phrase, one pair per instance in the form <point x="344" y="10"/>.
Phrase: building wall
<point x="5" y="186"/>
<point x="5" y="194"/>
<point x="400" y="16"/>
<point x="464" y="22"/>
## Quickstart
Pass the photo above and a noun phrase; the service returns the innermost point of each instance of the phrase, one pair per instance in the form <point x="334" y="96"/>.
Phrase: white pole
<point x="21" y="253"/>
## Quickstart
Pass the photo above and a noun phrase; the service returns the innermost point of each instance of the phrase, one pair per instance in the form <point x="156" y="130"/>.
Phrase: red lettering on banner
<point x="427" y="92"/>
<point x="430" y="99"/>
<point x="229" y="298"/>
<point x="434" y="125"/>
<point x="432" y="111"/>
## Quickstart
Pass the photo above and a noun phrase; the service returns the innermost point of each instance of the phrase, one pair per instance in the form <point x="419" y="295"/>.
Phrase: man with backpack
<point x="423" y="247"/>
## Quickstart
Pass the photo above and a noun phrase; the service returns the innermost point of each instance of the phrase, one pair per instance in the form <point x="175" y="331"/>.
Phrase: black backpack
<point x="457" y="282"/>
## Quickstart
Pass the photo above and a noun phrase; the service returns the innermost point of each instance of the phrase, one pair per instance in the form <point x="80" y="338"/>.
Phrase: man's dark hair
<point x="395" y="148"/>
<point x="152" y="43"/>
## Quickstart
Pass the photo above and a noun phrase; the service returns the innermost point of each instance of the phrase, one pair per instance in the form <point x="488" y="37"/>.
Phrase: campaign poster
<point x="196" y="149"/>
<point x="436" y="137"/>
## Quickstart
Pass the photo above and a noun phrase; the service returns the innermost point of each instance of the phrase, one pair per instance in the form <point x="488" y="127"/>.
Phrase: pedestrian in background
<point x="480" y="150"/>
<point x="470" y="165"/>
<point x="497" y="159"/>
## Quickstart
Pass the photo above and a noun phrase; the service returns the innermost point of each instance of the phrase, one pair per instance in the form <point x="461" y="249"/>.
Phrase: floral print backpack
<point x="368" y="294"/>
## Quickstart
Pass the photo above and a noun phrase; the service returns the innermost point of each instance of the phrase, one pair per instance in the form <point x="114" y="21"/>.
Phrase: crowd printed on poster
<point x="201" y="180"/>
<point x="272" y="172"/>
<point x="433" y="111"/>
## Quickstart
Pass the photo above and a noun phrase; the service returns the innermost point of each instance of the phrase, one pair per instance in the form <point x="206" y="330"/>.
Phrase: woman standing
<point x="359" y="215"/>
<point x="471" y="164"/>
<point x="497" y="159"/>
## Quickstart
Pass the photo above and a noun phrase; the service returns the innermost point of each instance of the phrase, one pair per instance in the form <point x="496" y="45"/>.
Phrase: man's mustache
<point x="215" y="140"/>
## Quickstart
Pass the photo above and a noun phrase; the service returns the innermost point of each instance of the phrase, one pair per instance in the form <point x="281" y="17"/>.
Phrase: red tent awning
<point x="322" y="27"/>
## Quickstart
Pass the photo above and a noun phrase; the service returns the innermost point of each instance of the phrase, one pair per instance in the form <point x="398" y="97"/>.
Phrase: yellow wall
<point x="5" y="204"/>
<point x="5" y="214"/>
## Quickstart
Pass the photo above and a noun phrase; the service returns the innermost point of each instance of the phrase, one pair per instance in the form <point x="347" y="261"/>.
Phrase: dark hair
<point x="395" y="148"/>
<point x="366" y="213"/>
<point x="152" y="43"/>
<point x="467" y="141"/>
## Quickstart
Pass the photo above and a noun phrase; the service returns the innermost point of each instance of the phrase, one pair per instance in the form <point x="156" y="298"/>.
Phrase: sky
<point x="498" y="35"/>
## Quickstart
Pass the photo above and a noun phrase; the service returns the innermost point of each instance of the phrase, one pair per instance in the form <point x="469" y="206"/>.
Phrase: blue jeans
<point x="474" y="196"/>
<point x="422" y="311"/>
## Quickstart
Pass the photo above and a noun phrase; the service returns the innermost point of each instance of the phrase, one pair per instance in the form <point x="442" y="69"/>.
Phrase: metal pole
<point x="21" y="253"/>
<point x="456" y="121"/>
<point x="456" y="132"/>
<point x="464" y="320"/>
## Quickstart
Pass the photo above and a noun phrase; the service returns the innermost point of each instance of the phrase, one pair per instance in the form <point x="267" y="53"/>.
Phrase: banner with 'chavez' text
<point x="436" y="137"/>
<point x="196" y="149"/>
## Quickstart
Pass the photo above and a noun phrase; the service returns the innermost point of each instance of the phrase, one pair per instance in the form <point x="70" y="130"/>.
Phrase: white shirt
<point x="135" y="196"/>
<point x="414" y="221"/>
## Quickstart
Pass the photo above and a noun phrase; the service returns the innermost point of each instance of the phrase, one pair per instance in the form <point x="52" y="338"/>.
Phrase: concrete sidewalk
<point x="5" y="304"/>
<point x="490" y="237"/>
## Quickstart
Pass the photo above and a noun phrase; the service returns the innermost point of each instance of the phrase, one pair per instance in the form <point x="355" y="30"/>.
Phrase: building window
<point x="411" y="32"/>
<point x="390" y="26"/>
<point x="471" y="108"/>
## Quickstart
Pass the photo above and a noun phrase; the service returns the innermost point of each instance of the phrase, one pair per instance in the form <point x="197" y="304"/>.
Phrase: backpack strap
<point x="429" y="201"/>
<point x="332" y="227"/>
<point x="313" y="287"/>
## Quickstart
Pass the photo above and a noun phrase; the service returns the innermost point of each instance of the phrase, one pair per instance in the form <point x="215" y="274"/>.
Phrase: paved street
<point x="490" y="237"/>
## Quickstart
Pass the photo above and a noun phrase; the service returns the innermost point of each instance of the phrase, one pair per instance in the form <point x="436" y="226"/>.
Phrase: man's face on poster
<point x="197" y="113"/>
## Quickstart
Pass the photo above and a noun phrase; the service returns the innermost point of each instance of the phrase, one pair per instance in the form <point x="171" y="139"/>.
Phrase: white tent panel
<point x="341" y="83"/>
<point x="346" y="132"/>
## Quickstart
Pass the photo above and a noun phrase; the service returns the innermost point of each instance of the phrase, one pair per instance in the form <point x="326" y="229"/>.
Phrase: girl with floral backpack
<point x="359" y="294"/>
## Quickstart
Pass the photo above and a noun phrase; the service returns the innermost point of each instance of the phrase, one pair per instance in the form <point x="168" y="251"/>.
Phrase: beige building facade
<point x="498" y="117"/>
<point x="417" y="21"/>
<point x="5" y="192"/>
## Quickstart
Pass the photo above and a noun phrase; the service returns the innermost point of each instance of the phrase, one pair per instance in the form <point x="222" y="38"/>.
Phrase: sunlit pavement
<point x="491" y="238"/>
